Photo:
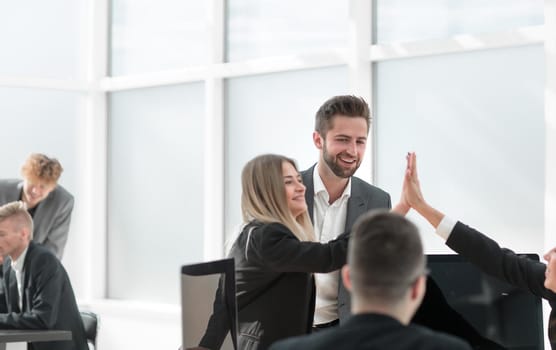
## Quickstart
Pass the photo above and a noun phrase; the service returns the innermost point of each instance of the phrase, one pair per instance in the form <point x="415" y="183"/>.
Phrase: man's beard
<point x="336" y="168"/>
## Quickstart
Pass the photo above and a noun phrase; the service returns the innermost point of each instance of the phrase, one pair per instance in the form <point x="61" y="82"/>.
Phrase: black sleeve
<point x="277" y="247"/>
<point x="499" y="262"/>
<point x="49" y="280"/>
<point x="3" y="296"/>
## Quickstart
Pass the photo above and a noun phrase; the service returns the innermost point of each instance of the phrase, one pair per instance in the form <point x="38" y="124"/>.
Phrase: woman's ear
<point x="346" y="278"/>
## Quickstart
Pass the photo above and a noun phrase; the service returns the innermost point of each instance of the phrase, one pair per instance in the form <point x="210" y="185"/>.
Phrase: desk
<point x="27" y="335"/>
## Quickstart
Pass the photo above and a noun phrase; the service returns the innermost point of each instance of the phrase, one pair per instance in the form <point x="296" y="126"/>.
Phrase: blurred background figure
<point x="49" y="204"/>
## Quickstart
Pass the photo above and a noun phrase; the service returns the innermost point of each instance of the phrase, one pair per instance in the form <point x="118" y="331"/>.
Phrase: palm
<point x="411" y="187"/>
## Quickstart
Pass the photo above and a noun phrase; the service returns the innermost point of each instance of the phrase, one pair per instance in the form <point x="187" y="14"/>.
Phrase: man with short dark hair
<point x="36" y="292"/>
<point x="386" y="276"/>
<point x="49" y="204"/>
<point x="335" y="198"/>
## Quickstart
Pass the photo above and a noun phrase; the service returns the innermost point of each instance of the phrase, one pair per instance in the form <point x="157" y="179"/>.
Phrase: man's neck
<point x="334" y="185"/>
<point x="14" y="256"/>
<point x="401" y="312"/>
<point x="26" y="201"/>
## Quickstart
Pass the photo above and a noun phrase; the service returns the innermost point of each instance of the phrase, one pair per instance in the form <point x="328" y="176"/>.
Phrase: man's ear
<point x="418" y="288"/>
<point x="346" y="279"/>
<point x="25" y="233"/>
<point x="318" y="140"/>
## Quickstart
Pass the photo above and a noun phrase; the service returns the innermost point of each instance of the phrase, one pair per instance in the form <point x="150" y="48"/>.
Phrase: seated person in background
<point x="275" y="255"/>
<point x="36" y="293"/>
<point x="386" y="276"/>
<point x="49" y="204"/>
<point x="485" y="253"/>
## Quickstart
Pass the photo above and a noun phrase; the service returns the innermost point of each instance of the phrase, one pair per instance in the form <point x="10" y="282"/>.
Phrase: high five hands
<point x="411" y="189"/>
<point x="411" y="196"/>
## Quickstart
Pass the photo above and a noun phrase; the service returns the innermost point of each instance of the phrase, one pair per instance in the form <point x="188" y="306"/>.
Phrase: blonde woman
<point x="275" y="256"/>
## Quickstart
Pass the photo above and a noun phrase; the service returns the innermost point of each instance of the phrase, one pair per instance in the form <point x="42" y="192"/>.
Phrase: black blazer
<point x="274" y="285"/>
<point x="52" y="217"/>
<point x="364" y="197"/>
<point x="503" y="264"/>
<point x="373" y="332"/>
<point x="48" y="301"/>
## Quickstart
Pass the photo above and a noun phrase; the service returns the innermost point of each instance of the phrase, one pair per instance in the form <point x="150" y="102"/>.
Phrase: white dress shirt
<point x="329" y="221"/>
<point x="17" y="266"/>
<point x="445" y="227"/>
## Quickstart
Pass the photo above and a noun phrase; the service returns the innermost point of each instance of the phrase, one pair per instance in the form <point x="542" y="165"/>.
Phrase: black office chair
<point x="199" y="283"/>
<point x="90" y="322"/>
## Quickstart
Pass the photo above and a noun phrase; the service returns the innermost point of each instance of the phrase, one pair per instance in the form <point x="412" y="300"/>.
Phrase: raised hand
<point x="413" y="196"/>
<point x="403" y="206"/>
<point x="411" y="187"/>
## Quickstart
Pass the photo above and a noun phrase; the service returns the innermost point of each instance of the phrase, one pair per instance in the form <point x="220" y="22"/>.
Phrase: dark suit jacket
<point x="503" y="264"/>
<point x="364" y="197"/>
<point x="274" y="285"/>
<point x="48" y="301"/>
<point x="373" y="332"/>
<point x="52" y="216"/>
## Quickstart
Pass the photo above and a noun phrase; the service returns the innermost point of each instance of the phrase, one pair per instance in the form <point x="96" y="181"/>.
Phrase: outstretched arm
<point x="475" y="246"/>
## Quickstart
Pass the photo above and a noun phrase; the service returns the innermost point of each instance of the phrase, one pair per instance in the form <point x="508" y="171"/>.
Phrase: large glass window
<point x="155" y="190"/>
<point x="476" y="121"/>
<point x="258" y="28"/>
<point x="407" y="20"/>
<point x="156" y="35"/>
<point x="49" y="122"/>
<point x="43" y="38"/>
<point x="273" y="113"/>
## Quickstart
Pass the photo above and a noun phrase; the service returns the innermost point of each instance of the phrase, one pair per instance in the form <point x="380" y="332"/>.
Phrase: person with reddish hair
<point x="49" y="204"/>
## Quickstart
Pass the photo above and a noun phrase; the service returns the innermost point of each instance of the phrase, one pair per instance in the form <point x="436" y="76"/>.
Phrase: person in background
<point x="36" y="291"/>
<point x="485" y="253"/>
<point x="275" y="256"/>
<point x="49" y="204"/>
<point x="335" y="197"/>
<point x="386" y="277"/>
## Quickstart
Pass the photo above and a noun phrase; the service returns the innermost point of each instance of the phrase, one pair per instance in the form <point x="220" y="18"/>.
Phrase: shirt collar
<point x="318" y="186"/>
<point x="18" y="263"/>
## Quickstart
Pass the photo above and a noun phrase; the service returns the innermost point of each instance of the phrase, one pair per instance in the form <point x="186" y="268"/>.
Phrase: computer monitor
<point x="498" y="311"/>
<point x="199" y="283"/>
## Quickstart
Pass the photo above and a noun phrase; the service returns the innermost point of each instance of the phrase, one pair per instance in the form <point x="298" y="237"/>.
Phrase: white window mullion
<point x="459" y="43"/>
<point x="43" y="83"/>
<point x="359" y="67"/>
<point x="214" y="139"/>
<point x="95" y="157"/>
<point x="550" y="122"/>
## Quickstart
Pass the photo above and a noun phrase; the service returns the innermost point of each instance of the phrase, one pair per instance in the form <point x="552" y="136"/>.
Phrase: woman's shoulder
<point x="256" y="235"/>
<point x="270" y="228"/>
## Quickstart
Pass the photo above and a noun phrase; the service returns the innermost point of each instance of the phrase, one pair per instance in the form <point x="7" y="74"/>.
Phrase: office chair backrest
<point x="90" y="322"/>
<point x="199" y="286"/>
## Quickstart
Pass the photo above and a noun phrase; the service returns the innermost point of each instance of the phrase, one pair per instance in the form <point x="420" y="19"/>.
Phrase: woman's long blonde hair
<point x="263" y="196"/>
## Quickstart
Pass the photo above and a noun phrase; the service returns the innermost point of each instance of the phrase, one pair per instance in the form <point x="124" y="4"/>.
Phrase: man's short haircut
<point x="385" y="256"/>
<point x="345" y="105"/>
<point x="17" y="211"/>
<point x="40" y="166"/>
